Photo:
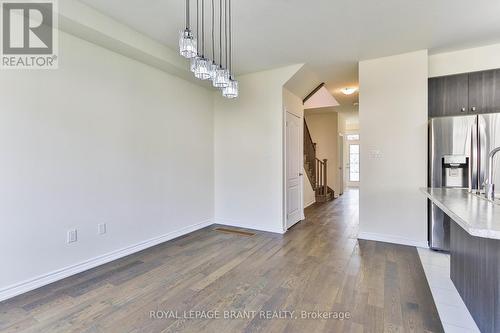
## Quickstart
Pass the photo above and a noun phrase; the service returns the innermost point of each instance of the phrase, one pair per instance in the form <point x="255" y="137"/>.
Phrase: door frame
<point x="347" y="162"/>
<point x="285" y="164"/>
<point x="341" y="163"/>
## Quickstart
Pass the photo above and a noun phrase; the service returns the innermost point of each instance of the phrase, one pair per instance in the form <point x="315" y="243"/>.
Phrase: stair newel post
<point x="325" y="184"/>
<point x="317" y="174"/>
<point x="320" y="185"/>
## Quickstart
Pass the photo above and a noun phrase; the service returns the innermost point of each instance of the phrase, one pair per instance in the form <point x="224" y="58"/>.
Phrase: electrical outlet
<point x="101" y="228"/>
<point x="72" y="236"/>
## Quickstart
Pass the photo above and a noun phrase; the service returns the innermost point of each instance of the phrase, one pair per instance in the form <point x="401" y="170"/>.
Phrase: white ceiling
<point x="331" y="36"/>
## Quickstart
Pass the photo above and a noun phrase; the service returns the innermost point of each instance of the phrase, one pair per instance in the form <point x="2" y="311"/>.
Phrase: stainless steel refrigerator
<point x="458" y="158"/>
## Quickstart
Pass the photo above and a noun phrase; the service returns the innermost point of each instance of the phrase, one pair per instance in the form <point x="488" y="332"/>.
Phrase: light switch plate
<point x="101" y="228"/>
<point x="72" y="236"/>
<point x="375" y="154"/>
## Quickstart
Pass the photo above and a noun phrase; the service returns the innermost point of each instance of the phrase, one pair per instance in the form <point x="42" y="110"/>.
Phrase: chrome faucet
<point x="490" y="187"/>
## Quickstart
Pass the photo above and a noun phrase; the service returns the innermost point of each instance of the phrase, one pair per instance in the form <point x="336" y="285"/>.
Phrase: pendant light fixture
<point x="187" y="43"/>
<point x="196" y="58"/>
<point x="231" y="91"/>
<point x="213" y="66"/>
<point x="221" y="78"/>
<point x="192" y="64"/>
<point x="193" y="47"/>
<point x="201" y="70"/>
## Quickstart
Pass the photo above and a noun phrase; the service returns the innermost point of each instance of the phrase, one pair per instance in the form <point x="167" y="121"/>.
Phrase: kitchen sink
<point x="482" y="196"/>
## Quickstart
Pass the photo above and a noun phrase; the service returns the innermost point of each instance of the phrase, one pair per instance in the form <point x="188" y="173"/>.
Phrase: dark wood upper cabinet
<point x="470" y="93"/>
<point x="448" y="95"/>
<point x="484" y="92"/>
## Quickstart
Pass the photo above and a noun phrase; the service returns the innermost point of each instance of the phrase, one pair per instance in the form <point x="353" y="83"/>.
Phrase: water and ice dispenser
<point x="455" y="170"/>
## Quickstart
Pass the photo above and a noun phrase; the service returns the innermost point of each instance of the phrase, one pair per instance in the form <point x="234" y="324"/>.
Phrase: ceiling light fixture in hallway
<point x="348" y="91"/>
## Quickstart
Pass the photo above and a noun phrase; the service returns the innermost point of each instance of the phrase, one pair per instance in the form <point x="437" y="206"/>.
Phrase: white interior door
<point x="294" y="175"/>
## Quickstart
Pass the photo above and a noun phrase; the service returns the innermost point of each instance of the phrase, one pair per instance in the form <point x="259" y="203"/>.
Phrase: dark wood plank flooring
<point x="319" y="265"/>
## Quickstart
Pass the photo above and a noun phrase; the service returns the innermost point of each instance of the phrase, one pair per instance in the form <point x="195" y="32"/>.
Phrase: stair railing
<point x="318" y="169"/>
<point x="321" y="167"/>
<point x="310" y="155"/>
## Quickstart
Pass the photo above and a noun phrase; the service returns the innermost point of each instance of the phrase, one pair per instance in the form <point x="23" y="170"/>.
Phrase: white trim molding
<point x="42" y="280"/>
<point x="391" y="239"/>
<point x="310" y="203"/>
<point x="238" y="224"/>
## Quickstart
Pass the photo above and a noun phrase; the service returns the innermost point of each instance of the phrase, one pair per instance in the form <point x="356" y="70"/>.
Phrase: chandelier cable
<point x="187" y="14"/>
<point x="225" y="32"/>
<point x="220" y="33"/>
<point x="213" y="31"/>
<point x="230" y="41"/>
<point x="198" y="27"/>
<point x="203" y="28"/>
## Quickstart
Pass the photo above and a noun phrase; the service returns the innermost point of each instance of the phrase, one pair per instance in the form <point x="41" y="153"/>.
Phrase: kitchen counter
<point x="477" y="216"/>
<point x="475" y="252"/>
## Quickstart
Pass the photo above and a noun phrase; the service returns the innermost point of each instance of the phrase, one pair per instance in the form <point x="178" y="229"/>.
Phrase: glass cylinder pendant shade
<point x="221" y="79"/>
<point x="231" y="91"/>
<point x="193" y="63"/>
<point x="187" y="44"/>
<point x="202" y="69"/>
<point x="213" y="70"/>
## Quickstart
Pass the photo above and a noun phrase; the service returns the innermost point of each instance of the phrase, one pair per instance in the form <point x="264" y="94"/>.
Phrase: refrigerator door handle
<point x="474" y="170"/>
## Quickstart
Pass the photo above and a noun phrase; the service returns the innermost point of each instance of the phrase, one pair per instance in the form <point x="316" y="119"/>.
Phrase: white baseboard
<point x="239" y="224"/>
<point x="391" y="239"/>
<point x="40" y="281"/>
<point x="309" y="204"/>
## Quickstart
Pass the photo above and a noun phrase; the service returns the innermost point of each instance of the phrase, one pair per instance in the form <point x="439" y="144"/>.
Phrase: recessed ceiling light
<point x="348" y="91"/>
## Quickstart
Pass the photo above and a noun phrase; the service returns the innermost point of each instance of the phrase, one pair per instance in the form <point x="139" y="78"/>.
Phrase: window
<point x="354" y="163"/>
<point x="352" y="137"/>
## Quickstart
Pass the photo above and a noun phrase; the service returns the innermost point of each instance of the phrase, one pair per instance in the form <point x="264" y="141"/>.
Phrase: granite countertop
<point x="476" y="215"/>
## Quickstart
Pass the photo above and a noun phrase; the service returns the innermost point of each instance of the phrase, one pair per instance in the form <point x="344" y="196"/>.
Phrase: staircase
<point x="316" y="169"/>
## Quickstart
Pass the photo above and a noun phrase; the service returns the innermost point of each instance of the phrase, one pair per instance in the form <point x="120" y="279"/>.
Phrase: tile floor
<point x="452" y="310"/>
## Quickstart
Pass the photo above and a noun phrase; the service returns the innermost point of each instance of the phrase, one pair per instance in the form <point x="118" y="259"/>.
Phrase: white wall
<point x="104" y="139"/>
<point x="324" y="132"/>
<point x="292" y="104"/>
<point x="393" y="129"/>
<point x="352" y="126"/>
<point x="309" y="194"/>
<point x="249" y="178"/>
<point x="464" y="61"/>
<point x="87" y="23"/>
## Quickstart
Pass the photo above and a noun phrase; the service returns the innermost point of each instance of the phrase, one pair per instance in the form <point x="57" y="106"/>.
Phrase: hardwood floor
<point x="319" y="265"/>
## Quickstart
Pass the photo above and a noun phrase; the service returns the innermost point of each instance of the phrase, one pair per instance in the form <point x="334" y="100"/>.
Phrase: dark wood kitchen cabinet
<point x="475" y="272"/>
<point x="448" y="95"/>
<point x="484" y="91"/>
<point x="465" y="94"/>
